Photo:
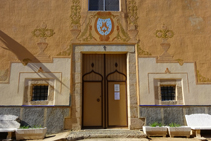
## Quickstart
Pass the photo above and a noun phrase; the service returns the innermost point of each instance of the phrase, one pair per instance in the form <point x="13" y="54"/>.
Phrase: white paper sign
<point x="116" y="95"/>
<point x="116" y="87"/>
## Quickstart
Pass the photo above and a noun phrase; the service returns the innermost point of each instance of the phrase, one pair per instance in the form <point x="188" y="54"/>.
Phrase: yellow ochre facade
<point x="165" y="44"/>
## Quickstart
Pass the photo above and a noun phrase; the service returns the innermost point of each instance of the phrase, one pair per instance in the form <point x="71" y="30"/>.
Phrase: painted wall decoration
<point x="132" y="12"/>
<point x="165" y="34"/>
<point x="202" y="79"/>
<point x="75" y="16"/>
<point x="104" y="26"/>
<point x="4" y="75"/>
<point x="142" y="52"/>
<point x="43" y="32"/>
<point x="66" y="52"/>
<point x="180" y="61"/>
<point x="132" y="19"/>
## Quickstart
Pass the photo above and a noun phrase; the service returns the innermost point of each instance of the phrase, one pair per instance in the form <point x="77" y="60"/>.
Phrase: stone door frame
<point x="76" y="102"/>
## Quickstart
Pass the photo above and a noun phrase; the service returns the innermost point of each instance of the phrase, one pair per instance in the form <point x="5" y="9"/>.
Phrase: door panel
<point x="92" y="104"/>
<point x="117" y="114"/>
<point x="116" y="62"/>
<point x="100" y="73"/>
<point x="93" y="62"/>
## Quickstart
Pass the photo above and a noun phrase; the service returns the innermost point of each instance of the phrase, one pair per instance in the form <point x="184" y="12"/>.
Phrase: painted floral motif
<point x="165" y="33"/>
<point x="43" y="32"/>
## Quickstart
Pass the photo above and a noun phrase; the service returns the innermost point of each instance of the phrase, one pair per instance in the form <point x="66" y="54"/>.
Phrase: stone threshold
<point x="104" y="133"/>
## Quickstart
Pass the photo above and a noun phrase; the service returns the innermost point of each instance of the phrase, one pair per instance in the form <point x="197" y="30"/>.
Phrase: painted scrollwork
<point x="4" y="76"/>
<point x="132" y="12"/>
<point x="90" y="37"/>
<point x="142" y="52"/>
<point x="66" y="52"/>
<point x="201" y="78"/>
<point x="103" y="26"/>
<point x="75" y="14"/>
<point x="121" y="34"/>
<point x="132" y="20"/>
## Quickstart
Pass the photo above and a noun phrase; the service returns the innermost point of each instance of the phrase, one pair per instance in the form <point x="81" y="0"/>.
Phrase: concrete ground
<point x="55" y="137"/>
<point x="63" y="135"/>
<point x="173" y="139"/>
<point x="115" y="139"/>
<point x="142" y="139"/>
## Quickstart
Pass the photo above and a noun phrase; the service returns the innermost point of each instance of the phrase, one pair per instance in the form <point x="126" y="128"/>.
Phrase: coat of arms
<point x="104" y="25"/>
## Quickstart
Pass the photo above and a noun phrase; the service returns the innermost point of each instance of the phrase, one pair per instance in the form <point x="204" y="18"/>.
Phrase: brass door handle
<point x="98" y="100"/>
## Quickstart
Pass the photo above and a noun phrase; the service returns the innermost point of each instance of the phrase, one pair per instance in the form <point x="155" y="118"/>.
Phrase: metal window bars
<point x="167" y="93"/>
<point x="39" y="92"/>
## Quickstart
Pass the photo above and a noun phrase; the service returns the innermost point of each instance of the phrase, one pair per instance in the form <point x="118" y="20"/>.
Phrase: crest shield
<point x="104" y="26"/>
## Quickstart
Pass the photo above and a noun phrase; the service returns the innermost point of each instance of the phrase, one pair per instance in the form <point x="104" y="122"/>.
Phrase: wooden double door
<point x="104" y="91"/>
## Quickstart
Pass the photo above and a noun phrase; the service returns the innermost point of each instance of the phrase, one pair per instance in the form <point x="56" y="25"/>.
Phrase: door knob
<point x="98" y="100"/>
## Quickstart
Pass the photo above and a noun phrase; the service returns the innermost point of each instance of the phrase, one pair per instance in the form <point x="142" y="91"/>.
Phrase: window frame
<point x="104" y="7"/>
<point x="179" y="94"/>
<point x="28" y="90"/>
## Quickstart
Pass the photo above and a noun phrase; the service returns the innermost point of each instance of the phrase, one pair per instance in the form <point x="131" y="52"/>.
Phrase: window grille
<point x="104" y="5"/>
<point x="167" y="93"/>
<point x="39" y="92"/>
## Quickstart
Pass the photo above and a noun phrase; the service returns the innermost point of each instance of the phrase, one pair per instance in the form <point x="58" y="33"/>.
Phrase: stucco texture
<point x="20" y="18"/>
<point x="188" y="19"/>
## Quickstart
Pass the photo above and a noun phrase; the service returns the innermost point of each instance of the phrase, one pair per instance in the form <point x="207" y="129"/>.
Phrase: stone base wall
<point x="170" y="114"/>
<point x="51" y="117"/>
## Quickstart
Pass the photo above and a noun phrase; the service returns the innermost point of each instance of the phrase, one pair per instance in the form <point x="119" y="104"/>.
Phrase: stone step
<point x="115" y="139"/>
<point x="105" y="133"/>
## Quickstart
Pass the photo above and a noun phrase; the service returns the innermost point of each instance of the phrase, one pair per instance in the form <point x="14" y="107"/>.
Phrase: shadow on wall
<point x="22" y="53"/>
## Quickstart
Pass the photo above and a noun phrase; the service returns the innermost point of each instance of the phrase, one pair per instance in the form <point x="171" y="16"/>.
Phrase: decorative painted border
<point x="169" y="78"/>
<point x="50" y="61"/>
<point x="195" y="66"/>
<point x="39" y="78"/>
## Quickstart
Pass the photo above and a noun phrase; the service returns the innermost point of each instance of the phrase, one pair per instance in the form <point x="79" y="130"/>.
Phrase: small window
<point x="39" y="92"/>
<point x="167" y="93"/>
<point x="104" y="5"/>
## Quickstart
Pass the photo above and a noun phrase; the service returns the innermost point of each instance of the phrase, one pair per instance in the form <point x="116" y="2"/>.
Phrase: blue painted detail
<point x="104" y="26"/>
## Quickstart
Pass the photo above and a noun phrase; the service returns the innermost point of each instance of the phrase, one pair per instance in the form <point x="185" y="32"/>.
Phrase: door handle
<point x="98" y="100"/>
